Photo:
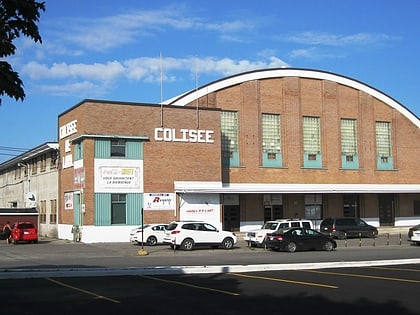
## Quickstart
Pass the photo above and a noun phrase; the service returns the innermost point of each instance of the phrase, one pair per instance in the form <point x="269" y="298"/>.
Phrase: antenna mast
<point x="196" y="91"/>
<point x="161" y="91"/>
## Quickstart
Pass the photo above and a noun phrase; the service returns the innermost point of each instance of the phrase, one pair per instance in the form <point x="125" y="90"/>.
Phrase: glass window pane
<point x="348" y="136"/>
<point x="271" y="133"/>
<point x="229" y="126"/>
<point x="311" y="135"/>
<point x="383" y="138"/>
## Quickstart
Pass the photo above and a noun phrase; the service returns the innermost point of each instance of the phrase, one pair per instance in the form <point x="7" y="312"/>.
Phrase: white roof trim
<point x="218" y="187"/>
<point x="189" y="97"/>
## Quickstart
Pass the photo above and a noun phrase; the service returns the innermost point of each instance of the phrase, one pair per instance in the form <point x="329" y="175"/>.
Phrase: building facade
<point x="29" y="188"/>
<point x="276" y="143"/>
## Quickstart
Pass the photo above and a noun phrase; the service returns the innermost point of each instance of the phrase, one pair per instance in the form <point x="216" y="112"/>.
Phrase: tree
<point x="16" y="17"/>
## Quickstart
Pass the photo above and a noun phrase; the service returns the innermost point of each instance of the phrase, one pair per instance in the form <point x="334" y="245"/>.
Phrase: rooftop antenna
<point x="196" y="91"/>
<point x="161" y="90"/>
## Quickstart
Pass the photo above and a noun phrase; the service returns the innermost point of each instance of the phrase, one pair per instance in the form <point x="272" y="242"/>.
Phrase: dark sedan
<point x="297" y="239"/>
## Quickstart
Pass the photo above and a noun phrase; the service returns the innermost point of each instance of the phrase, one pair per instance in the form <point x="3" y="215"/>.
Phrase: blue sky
<point x="146" y="51"/>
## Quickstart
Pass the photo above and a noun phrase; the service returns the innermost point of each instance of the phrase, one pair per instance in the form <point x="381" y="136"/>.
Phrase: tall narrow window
<point x="271" y="140"/>
<point x="349" y="157"/>
<point x="312" y="142"/>
<point x="43" y="212"/>
<point x="117" y="147"/>
<point x="78" y="150"/>
<point x="118" y="209"/>
<point x="43" y="162"/>
<point x="384" y="145"/>
<point x="230" y="145"/>
<point x="53" y="214"/>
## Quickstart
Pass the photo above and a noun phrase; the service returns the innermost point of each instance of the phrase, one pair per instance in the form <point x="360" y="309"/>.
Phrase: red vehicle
<point x="24" y="232"/>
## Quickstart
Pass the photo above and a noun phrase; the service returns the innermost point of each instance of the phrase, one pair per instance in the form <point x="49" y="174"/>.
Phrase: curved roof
<point x="186" y="98"/>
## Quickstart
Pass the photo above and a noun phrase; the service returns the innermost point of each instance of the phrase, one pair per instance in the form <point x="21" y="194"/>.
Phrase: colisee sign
<point x="183" y="135"/>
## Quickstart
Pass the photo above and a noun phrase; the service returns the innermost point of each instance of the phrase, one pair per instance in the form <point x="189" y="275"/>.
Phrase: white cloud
<point x="328" y="39"/>
<point x="113" y="31"/>
<point x="147" y="69"/>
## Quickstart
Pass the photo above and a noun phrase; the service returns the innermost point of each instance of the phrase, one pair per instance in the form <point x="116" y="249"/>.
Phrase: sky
<point x="148" y="51"/>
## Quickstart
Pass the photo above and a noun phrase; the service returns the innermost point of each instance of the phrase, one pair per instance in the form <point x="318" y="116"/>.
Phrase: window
<point x="312" y="142"/>
<point x="43" y="212"/>
<point x="230" y="145"/>
<point x="53" y="159"/>
<point x="416" y="207"/>
<point x="53" y="214"/>
<point x="271" y="140"/>
<point x="383" y="145"/>
<point x="118" y="208"/>
<point x="43" y="162"/>
<point x="349" y="157"/>
<point x="117" y="147"/>
<point x="34" y="164"/>
<point x="78" y="151"/>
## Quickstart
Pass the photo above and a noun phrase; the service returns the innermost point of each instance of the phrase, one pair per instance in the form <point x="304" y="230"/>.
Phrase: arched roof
<point x="186" y="98"/>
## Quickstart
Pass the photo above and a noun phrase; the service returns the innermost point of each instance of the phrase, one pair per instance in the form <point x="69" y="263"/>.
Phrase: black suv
<point x="342" y="228"/>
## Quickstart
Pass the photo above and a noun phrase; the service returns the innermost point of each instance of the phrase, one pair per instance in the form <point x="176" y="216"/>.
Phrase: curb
<point x="178" y="270"/>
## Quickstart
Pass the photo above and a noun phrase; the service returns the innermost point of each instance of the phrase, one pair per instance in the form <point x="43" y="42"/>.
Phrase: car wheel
<point x="328" y="246"/>
<point x="187" y="244"/>
<point x="227" y="243"/>
<point x="151" y="241"/>
<point x="291" y="247"/>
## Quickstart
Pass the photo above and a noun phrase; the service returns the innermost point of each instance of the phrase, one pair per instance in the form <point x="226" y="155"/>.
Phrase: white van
<point x="257" y="237"/>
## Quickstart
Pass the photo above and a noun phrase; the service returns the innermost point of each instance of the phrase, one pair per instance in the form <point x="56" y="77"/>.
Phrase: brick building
<point x="261" y="145"/>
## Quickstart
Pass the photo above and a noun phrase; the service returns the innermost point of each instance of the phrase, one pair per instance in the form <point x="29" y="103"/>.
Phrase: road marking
<point x="285" y="280"/>
<point x="83" y="291"/>
<point x="191" y="285"/>
<point x="393" y="268"/>
<point x="361" y="276"/>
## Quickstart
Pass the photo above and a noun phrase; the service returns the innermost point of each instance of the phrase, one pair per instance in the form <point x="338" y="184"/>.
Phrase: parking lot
<point x="59" y="276"/>
<point x="367" y="290"/>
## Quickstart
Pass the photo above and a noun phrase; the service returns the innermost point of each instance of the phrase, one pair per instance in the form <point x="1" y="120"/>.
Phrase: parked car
<point x="414" y="234"/>
<point x="257" y="237"/>
<point x="149" y="234"/>
<point x="24" y="232"/>
<point x="298" y="239"/>
<point x="187" y="235"/>
<point x="347" y="227"/>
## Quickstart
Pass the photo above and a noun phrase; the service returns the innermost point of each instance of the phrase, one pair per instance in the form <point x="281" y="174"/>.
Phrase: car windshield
<point x="360" y="222"/>
<point x="143" y="227"/>
<point x="270" y="226"/>
<point x="172" y="226"/>
<point x="26" y="226"/>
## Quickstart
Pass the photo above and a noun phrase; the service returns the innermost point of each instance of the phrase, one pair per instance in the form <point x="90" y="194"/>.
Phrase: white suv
<point x="189" y="234"/>
<point x="257" y="237"/>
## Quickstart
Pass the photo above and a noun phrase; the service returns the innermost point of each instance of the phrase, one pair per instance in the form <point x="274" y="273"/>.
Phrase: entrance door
<point x="386" y="210"/>
<point x="351" y="206"/>
<point x="231" y="218"/>
<point x="273" y="212"/>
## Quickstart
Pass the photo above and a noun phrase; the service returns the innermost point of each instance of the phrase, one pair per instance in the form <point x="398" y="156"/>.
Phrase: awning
<point x="251" y="188"/>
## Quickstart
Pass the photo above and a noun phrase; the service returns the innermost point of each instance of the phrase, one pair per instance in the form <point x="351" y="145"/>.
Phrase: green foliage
<point x="17" y="17"/>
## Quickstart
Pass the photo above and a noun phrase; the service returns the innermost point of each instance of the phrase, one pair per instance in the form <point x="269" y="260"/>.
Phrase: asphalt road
<point x="362" y="290"/>
<point x="69" y="258"/>
<point x="380" y="276"/>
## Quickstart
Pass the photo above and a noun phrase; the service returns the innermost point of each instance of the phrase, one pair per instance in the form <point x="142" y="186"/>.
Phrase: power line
<point x="15" y="149"/>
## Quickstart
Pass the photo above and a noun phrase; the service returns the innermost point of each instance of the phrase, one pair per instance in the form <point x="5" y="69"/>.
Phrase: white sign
<point x="183" y="135"/>
<point x="159" y="201"/>
<point x="118" y="176"/>
<point x="68" y="129"/>
<point x="205" y="207"/>
<point x="68" y="201"/>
